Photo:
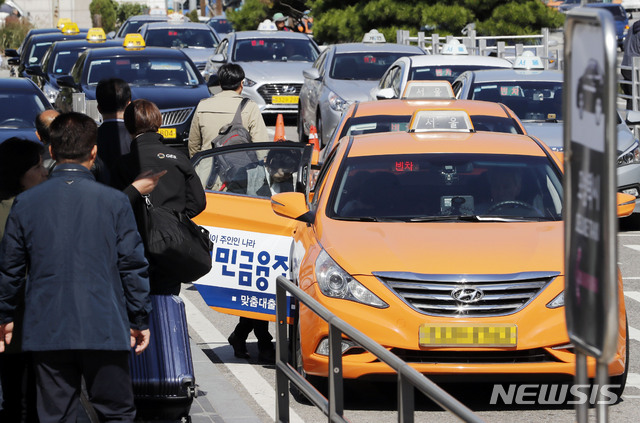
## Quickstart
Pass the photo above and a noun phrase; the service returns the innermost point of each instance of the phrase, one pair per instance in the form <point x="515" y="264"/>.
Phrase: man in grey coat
<point x="631" y="50"/>
<point x="73" y="255"/>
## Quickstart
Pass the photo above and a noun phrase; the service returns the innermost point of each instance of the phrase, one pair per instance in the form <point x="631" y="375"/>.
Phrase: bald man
<point x="43" y="122"/>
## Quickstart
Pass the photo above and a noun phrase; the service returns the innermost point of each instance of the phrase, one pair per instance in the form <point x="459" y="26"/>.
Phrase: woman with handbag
<point x="179" y="190"/>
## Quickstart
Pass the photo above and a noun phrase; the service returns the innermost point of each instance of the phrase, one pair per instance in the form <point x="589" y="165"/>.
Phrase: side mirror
<point x="11" y="52"/>
<point x="217" y="58"/>
<point x="66" y="81"/>
<point x="633" y="117"/>
<point x="292" y="205"/>
<point x="34" y="70"/>
<point x="385" y="94"/>
<point x="13" y="61"/>
<point x="311" y="73"/>
<point x="626" y="203"/>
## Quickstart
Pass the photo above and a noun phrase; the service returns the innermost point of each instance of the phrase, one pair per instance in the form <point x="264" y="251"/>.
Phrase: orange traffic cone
<point x="313" y="138"/>
<point x="279" y="129"/>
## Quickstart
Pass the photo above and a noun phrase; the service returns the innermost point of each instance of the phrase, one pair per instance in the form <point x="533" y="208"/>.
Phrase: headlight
<point x="557" y="301"/>
<point x="50" y="92"/>
<point x="337" y="103"/>
<point x="335" y="282"/>
<point x="249" y="82"/>
<point x="631" y="156"/>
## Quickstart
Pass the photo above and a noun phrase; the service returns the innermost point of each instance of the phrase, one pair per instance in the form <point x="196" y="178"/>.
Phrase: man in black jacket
<point x="113" y="96"/>
<point x="631" y="50"/>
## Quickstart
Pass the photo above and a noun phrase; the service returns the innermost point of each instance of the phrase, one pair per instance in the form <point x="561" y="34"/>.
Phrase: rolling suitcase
<point x="162" y="376"/>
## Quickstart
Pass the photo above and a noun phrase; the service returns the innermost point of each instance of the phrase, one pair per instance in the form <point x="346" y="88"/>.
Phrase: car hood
<point x="171" y="97"/>
<point x="361" y="248"/>
<point x="199" y="55"/>
<point x="25" y="133"/>
<point x="552" y="135"/>
<point x="352" y="90"/>
<point x="261" y="72"/>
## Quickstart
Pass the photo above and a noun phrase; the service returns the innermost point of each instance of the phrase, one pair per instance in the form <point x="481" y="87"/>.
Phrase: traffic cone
<point x="313" y="139"/>
<point x="279" y="129"/>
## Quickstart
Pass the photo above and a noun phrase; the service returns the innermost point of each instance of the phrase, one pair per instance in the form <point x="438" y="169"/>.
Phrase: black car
<point x="58" y="61"/>
<point x="22" y="101"/>
<point x="591" y="91"/>
<point x="133" y="24"/>
<point x="221" y="25"/>
<point x="164" y="76"/>
<point x="35" y="48"/>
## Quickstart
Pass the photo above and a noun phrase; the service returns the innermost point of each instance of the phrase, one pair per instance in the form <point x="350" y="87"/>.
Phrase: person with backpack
<point x="214" y="113"/>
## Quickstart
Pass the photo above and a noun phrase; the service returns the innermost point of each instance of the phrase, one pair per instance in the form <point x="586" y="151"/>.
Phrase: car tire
<point x="295" y="351"/>
<point x="302" y="137"/>
<point x="320" y="129"/>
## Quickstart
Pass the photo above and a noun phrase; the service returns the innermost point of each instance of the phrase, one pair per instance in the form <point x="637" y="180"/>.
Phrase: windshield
<point x="143" y="71"/>
<point x="368" y="66"/>
<point x="64" y="61"/>
<point x="425" y="187"/>
<point x="131" y="26"/>
<point x="275" y="50"/>
<point x="222" y="26"/>
<point x="181" y="38"/>
<point x="37" y="52"/>
<point x="530" y="100"/>
<point x="448" y="73"/>
<point x="23" y="110"/>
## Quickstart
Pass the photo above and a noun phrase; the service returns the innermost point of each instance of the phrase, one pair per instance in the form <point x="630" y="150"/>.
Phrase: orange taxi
<point x="445" y="246"/>
<point x="394" y="115"/>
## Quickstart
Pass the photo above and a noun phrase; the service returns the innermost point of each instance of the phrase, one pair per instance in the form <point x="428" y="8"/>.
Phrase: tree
<point x="126" y="10"/>
<point x="106" y="11"/>
<point x="250" y="15"/>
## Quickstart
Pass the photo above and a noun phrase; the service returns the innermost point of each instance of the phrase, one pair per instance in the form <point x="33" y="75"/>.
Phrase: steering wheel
<point x="15" y="120"/>
<point x="512" y="203"/>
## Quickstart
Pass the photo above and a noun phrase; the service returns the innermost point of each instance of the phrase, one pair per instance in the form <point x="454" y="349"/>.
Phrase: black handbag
<point x="176" y="247"/>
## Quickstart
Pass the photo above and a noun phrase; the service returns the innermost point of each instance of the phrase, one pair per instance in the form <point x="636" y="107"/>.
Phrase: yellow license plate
<point x="284" y="99"/>
<point x="461" y="335"/>
<point x="167" y="132"/>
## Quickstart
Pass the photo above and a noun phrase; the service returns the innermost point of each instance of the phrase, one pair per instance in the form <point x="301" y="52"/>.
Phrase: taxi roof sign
<point x="96" y="35"/>
<point x="528" y="60"/>
<point x="424" y="90"/>
<point x="70" y="28"/>
<point x="134" y="41"/>
<point x="441" y="121"/>
<point x="373" y="36"/>
<point x="62" y="22"/>
<point x="454" y="47"/>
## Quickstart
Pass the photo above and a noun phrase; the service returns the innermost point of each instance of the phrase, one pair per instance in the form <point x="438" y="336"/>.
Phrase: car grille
<point x="538" y="355"/>
<point x="269" y="90"/>
<point x="175" y="117"/>
<point x="467" y="295"/>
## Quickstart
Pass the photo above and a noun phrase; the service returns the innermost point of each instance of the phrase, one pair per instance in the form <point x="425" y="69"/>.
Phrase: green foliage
<point x="249" y="16"/>
<point x="126" y="10"/>
<point x="13" y="32"/>
<point x="193" y="15"/>
<point x="348" y="20"/>
<point x="106" y="9"/>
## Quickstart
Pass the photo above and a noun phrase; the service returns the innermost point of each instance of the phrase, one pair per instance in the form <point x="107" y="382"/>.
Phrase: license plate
<point x="284" y="99"/>
<point x="167" y="132"/>
<point x="461" y="335"/>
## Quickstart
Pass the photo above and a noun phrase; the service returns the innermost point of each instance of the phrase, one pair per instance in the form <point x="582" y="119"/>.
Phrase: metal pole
<point x="582" y="410"/>
<point x="282" y="383"/>
<point x="336" y="388"/>
<point x="545" y="47"/>
<point x="602" y="379"/>
<point x="405" y="400"/>
<point x="635" y="65"/>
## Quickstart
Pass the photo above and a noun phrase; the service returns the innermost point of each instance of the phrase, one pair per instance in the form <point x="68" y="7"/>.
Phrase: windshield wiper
<point x="368" y="219"/>
<point x="466" y="218"/>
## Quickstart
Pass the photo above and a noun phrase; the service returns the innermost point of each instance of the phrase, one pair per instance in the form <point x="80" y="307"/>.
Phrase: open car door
<point x="251" y="243"/>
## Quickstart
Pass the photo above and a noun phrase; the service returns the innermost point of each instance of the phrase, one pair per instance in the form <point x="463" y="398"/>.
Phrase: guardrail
<point x="408" y="377"/>
<point x="546" y="49"/>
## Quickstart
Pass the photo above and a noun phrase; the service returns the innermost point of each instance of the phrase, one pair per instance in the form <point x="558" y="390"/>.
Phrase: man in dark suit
<point x="114" y="140"/>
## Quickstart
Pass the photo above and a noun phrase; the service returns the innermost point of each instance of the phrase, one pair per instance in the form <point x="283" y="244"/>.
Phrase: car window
<point x="131" y="26"/>
<point x="362" y="66"/>
<point x="36" y="52"/>
<point x="23" y="111"/>
<point x="274" y="50"/>
<point x="181" y="38"/>
<point x="222" y="26"/>
<point x="319" y="63"/>
<point x="529" y="100"/>
<point x="423" y="187"/>
<point x="64" y="61"/>
<point x="143" y="71"/>
<point x="448" y="73"/>
<point x="252" y="172"/>
<point x="222" y="48"/>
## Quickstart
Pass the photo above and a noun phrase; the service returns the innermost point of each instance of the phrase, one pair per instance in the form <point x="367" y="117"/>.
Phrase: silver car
<point x="272" y="62"/>
<point x="536" y="98"/>
<point x="343" y="74"/>
<point x="197" y="40"/>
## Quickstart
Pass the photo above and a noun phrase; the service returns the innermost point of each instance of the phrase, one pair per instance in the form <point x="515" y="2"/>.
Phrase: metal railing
<point x="408" y="377"/>
<point x="477" y="45"/>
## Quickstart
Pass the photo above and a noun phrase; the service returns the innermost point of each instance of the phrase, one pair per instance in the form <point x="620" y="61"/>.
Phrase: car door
<point x="252" y="244"/>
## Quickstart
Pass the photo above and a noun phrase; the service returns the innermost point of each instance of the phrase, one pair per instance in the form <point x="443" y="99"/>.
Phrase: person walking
<point x="215" y="112"/>
<point x="113" y="95"/>
<point x="180" y="189"/>
<point x="72" y="247"/>
<point x="21" y="168"/>
<point x="43" y="122"/>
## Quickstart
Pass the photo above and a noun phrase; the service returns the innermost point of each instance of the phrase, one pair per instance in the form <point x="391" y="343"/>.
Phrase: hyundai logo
<point x="289" y="89"/>
<point x="467" y="295"/>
